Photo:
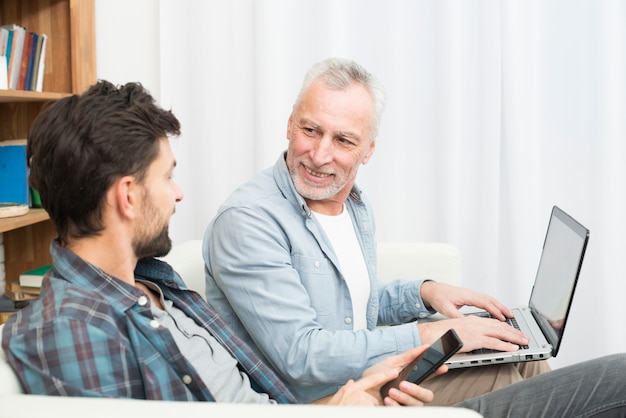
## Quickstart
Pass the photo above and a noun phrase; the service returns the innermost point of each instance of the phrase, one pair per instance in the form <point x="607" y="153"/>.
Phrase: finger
<point x="410" y="394"/>
<point x="451" y="312"/>
<point x="498" y="310"/>
<point x="376" y="380"/>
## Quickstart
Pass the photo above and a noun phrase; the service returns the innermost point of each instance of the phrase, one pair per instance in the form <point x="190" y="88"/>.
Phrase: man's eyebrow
<point x="345" y="134"/>
<point x="305" y="121"/>
<point x="348" y="134"/>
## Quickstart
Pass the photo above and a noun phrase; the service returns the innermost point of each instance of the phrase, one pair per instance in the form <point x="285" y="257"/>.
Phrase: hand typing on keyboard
<point x="476" y="332"/>
<point x="511" y="321"/>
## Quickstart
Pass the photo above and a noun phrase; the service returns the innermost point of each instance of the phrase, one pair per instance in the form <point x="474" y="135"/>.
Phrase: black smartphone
<point x="427" y="362"/>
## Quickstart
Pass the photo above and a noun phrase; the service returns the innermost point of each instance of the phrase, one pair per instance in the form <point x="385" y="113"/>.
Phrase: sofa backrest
<point x="186" y="259"/>
<point x="396" y="260"/>
<point x="438" y="261"/>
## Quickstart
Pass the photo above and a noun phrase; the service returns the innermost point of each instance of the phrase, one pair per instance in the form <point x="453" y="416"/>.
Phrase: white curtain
<point x="497" y="111"/>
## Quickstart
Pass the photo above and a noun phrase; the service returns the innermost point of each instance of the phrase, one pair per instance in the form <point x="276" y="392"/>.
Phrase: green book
<point x="34" y="277"/>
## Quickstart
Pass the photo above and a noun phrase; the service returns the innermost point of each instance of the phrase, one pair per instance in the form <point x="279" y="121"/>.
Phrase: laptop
<point x="543" y="320"/>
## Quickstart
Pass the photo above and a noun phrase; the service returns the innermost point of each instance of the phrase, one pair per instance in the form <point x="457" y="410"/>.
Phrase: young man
<point x="291" y="255"/>
<point x="111" y="320"/>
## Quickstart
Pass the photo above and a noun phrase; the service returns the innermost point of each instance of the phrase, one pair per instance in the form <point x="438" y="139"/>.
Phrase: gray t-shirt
<point x="216" y="366"/>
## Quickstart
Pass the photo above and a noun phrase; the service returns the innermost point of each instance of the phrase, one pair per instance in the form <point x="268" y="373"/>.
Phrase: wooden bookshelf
<point x="70" y="68"/>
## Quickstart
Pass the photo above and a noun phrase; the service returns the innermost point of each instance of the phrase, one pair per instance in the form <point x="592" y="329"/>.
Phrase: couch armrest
<point x="20" y="406"/>
<point x="9" y="383"/>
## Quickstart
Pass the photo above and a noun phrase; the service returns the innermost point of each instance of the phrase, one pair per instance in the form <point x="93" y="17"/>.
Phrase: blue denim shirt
<point x="274" y="277"/>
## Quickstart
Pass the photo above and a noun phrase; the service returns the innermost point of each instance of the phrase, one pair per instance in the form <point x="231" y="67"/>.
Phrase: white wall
<point x="555" y="55"/>
<point x="127" y="42"/>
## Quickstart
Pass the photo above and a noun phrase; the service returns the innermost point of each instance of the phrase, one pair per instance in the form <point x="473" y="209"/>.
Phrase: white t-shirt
<point x="340" y="232"/>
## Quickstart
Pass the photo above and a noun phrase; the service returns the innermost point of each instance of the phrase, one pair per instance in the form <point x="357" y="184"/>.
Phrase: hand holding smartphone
<point x="427" y="362"/>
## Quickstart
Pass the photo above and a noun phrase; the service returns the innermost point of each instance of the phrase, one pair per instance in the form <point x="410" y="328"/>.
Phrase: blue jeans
<point x="595" y="388"/>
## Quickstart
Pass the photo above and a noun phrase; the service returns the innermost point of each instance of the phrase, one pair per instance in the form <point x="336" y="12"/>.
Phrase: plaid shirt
<point x="90" y="334"/>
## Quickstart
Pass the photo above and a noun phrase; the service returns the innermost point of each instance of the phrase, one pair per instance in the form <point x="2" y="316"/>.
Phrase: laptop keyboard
<point x="511" y="321"/>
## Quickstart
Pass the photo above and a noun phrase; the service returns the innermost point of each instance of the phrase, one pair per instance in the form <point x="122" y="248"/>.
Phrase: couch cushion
<point x="9" y="383"/>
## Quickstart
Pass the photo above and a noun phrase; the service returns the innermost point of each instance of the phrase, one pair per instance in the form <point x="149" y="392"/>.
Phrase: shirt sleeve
<point x="77" y="359"/>
<point x="401" y="302"/>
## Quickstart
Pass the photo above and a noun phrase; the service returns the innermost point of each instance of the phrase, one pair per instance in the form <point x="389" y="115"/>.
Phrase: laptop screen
<point x="559" y="268"/>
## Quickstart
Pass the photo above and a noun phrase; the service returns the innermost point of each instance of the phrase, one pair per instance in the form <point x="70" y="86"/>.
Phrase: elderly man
<point x="290" y="261"/>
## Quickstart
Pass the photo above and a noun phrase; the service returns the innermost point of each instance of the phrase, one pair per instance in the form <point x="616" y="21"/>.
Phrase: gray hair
<point x="338" y="74"/>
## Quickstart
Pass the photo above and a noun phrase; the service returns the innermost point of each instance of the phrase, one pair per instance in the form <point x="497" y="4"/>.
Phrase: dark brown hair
<point x="79" y="146"/>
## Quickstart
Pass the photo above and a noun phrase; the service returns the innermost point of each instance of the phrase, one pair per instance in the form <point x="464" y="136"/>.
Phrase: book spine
<point x="4" y="35"/>
<point x="33" y="82"/>
<point x="42" y="63"/>
<point x="31" y="61"/>
<point x="9" y="53"/>
<point x="16" y="56"/>
<point x="21" y="78"/>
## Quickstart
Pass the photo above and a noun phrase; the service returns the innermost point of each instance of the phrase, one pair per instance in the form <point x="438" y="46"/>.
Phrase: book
<point x="35" y="69"/>
<point x="9" y="49"/>
<point x="4" y="83"/>
<point x="10" y="210"/>
<point x="14" y="173"/>
<point x="23" y="69"/>
<point x="9" y="305"/>
<point x="34" y="277"/>
<point x="15" y="59"/>
<point x="18" y="292"/>
<point x="4" y="38"/>
<point x="31" y="60"/>
<point x="42" y="63"/>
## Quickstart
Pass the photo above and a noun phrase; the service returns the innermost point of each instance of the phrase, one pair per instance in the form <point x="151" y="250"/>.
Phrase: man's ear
<point x="126" y="191"/>
<point x="369" y="152"/>
<point x="290" y="127"/>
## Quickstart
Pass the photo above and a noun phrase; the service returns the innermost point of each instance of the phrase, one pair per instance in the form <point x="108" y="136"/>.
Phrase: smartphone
<point x="427" y="362"/>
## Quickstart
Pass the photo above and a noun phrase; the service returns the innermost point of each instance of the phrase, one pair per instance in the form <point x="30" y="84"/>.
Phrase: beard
<point x="153" y="239"/>
<point x="155" y="245"/>
<point x="313" y="191"/>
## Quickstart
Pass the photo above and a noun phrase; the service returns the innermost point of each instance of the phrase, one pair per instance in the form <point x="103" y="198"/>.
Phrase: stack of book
<point x="23" y="53"/>
<point x="9" y="306"/>
<point x="19" y="294"/>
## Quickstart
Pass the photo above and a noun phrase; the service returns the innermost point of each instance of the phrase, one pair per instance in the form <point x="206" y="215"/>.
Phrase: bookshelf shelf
<point x="13" y="96"/>
<point x="33" y="216"/>
<point x="70" y="68"/>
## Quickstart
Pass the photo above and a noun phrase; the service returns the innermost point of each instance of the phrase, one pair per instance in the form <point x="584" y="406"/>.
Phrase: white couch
<point x="415" y="260"/>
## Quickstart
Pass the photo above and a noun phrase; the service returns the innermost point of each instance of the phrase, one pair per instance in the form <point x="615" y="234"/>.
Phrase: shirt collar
<point x="73" y="269"/>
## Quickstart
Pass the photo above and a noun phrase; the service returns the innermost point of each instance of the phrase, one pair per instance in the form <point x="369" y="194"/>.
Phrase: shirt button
<point x="142" y="300"/>
<point x="348" y="320"/>
<point x="418" y="306"/>
<point x="317" y="264"/>
<point x="423" y="315"/>
<point x="186" y="379"/>
<point x="154" y="323"/>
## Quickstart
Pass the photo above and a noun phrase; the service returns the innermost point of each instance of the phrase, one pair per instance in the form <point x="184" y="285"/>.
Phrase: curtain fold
<point x="497" y="111"/>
